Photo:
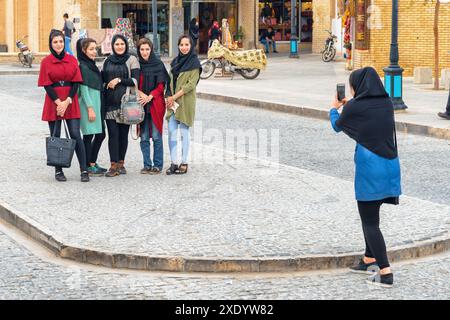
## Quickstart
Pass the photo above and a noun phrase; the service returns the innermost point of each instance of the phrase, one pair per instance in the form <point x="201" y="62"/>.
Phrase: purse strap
<point x="58" y="123"/>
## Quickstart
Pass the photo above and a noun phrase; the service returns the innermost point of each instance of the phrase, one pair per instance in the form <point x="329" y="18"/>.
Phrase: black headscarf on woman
<point x="116" y="58"/>
<point x="53" y="34"/>
<point x="153" y="71"/>
<point x="369" y="117"/>
<point x="92" y="79"/>
<point x="185" y="62"/>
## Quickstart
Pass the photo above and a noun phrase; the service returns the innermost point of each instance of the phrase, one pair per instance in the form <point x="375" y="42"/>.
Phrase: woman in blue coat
<point x="368" y="119"/>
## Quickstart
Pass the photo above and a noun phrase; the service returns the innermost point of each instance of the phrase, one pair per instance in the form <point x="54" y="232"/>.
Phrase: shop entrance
<point x="140" y="15"/>
<point x="206" y="12"/>
<point x="277" y="15"/>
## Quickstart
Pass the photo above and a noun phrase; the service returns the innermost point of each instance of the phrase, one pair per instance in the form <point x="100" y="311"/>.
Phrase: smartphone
<point x="341" y="91"/>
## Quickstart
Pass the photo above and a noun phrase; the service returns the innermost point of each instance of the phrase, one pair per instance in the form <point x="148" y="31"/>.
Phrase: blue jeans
<point x="68" y="42"/>
<point x="173" y="140"/>
<point x="267" y="44"/>
<point x="158" y="149"/>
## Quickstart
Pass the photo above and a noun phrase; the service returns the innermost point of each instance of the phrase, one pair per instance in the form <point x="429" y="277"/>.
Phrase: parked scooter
<point x="26" y="57"/>
<point x="233" y="62"/>
<point x="329" y="52"/>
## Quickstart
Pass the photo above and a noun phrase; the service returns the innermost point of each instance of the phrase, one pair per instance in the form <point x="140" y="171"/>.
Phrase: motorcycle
<point x="227" y="60"/>
<point x="26" y="57"/>
<point x="329" y="52"/>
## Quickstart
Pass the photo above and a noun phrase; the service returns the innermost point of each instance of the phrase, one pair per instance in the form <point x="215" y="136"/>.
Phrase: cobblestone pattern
<point x="268" y="213"/>
<point x="25" y="276"/>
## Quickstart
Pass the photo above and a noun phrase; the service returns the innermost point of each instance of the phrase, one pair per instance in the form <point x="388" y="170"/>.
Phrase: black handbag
<point x="60" y="150"/>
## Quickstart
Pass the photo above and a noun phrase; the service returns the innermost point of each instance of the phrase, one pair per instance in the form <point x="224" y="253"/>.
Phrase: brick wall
<point x="2" y="21"/>
<point x="247" y="20"/>
<point x="416" y="36"/>
<point x="322" y="12"/>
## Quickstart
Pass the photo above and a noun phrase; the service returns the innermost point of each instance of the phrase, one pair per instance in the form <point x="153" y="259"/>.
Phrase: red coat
<point x="54" y="70"/>
<point x="157" y="106"/>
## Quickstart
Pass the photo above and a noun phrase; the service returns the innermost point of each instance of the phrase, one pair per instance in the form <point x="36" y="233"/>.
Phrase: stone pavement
<point x="236" y="208"/>
<point x="310" y="83"/>
<point x="29" y="274"/>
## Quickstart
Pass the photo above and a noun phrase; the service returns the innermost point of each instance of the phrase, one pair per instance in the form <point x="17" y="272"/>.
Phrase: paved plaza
<point x="297" y="203"/>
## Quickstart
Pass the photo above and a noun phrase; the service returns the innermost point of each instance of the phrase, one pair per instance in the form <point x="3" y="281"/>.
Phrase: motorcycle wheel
<point x="209" y="67"/>
<point x="22" y="59"/>
<point x="250" y="74"/>
<point x="328" y="55"/>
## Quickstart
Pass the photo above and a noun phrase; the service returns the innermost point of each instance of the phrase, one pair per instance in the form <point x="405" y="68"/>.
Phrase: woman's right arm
<point x="86" y="96"/>
<point x="334" y="117"/>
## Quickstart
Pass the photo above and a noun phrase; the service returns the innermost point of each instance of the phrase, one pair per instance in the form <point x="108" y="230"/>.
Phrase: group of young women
<point x="87" y="98"/>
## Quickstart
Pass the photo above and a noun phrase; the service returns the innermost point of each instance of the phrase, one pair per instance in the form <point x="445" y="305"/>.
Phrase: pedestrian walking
<point x="214" y="33"/>
<point x="194" y="31"/>
<point x="120" y="70"/>
<point x="90" y="94"/>
<point x="184" y="77"/>
<point x="368" y="119"/>
<point x="68" y="30"/>
<point x="446" y="114"/>
<point x="60" y="76"/>
<point x="154" y="79"/>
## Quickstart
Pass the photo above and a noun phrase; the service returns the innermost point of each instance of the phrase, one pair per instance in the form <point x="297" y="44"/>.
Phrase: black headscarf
<point x="89" y="70"/>
<point x="53" y="34"/>
<point x="153" y="71"/>
<point x="369" y="117"/>
<point x="116" y="58"/>
<point x="184" y="63"/>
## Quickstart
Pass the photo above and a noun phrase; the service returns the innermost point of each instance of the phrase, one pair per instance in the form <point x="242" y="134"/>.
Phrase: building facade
<point x="368" y="29"/>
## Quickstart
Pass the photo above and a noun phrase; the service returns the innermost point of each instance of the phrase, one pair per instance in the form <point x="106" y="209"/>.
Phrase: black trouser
<point x="74" y="130"/>
<point x="448" y="104"/>
<point x="92" y="144"/>
<point x="118" y="140"/>
<point x="375" y="245"/>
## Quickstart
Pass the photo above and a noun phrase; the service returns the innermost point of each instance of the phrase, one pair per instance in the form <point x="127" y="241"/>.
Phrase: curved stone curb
<point x="190" y="264"/>
<point x="406" y="127"/>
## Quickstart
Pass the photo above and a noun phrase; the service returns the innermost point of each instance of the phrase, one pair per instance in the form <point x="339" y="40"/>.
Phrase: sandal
<point x="182" y="169"/>
<point x="154" y="171"/>
<point x="172" y="170"/>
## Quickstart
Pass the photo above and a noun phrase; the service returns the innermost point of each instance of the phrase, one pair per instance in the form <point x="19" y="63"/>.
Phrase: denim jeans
<point x="267" y="44"/>
<point x="68" y="42"/>
<point x="173" y="140"/>
<point x="158" y="149"/>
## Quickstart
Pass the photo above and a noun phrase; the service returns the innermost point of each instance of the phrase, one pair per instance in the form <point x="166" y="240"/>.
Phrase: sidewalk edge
<point x="212" y="265"/>
<point x="310" y="112"/>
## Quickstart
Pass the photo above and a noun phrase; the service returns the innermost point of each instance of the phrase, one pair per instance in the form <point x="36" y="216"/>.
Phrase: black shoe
<point x="365" y="268"/>
<point x="444" y="115"/>
<point x="85" y="176"/>
<point x="275" y="51"/>
<point x="60" y="177"/>
<point x="382" y="280"/>
<point x="172" y="170"/>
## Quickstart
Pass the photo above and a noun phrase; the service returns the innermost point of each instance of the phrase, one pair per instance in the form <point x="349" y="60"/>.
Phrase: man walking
<point x="446" y="114"/>
<point x="68" y="30"/>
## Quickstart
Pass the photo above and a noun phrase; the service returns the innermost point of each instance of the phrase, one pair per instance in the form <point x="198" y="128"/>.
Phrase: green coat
<point x="187" y="81"/>
<point x="89" y="97"/>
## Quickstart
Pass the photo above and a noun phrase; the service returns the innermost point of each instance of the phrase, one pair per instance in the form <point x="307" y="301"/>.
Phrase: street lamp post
<point x="393" y="75"/>
<point x="294" y="38"/>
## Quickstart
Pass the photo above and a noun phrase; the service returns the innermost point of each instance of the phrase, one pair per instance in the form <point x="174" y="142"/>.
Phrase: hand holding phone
<point x="340" y="91"/>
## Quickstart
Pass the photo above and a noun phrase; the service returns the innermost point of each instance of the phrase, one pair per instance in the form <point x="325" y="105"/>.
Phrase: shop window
<point x="277" y="15"/>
